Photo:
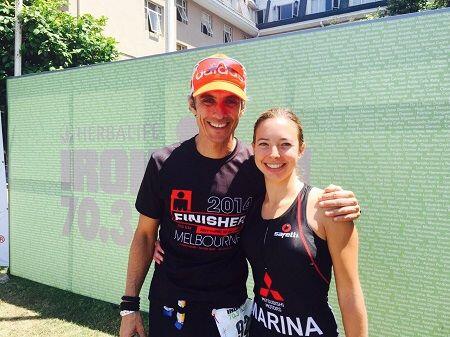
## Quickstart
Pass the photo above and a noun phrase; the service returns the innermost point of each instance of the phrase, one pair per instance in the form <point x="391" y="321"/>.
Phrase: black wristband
<point x="134" y="299"/>
<point x="129" y="306"/>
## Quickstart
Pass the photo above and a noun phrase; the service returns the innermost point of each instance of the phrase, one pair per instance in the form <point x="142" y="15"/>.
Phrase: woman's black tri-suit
<point x="291" y="269"/>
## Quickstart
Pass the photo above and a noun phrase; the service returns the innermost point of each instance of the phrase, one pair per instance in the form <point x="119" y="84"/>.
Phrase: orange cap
<point x="219" y="72"/>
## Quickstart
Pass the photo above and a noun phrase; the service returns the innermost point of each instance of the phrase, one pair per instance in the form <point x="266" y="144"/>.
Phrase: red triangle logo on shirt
<point x="265" y="292"/>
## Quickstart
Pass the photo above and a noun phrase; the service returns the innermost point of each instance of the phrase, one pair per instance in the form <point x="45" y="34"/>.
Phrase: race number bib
<point x="234" y="322"/>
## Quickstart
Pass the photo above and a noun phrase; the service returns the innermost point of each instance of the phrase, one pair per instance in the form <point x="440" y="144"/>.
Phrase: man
<point x="197" y="194"/>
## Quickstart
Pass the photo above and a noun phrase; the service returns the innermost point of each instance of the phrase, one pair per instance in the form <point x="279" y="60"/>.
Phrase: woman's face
<point x="277" y="148"/>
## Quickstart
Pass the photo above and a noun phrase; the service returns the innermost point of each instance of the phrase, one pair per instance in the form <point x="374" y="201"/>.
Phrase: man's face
<point x="218" y="114"/>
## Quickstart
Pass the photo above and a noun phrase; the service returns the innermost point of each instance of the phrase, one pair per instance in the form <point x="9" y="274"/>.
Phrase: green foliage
<point x="380" y="13"/>
<point x="434" y="4"/>
<point x="395" y="7"/>
<point x="51" y="39"/>
<point x="6" y="38"/>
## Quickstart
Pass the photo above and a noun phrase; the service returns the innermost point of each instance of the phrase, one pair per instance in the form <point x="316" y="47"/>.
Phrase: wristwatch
<point x="126" y="312"/>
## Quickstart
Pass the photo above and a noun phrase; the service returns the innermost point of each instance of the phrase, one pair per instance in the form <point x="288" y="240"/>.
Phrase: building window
<point x="295" y="9"/>
<point x="155" y="18"/>
<point x="260" y="15"/>
<point x="336" y="4"/>
<point x="252" y="14"/>
<point x="359" y="2"/>
<point x="181" y="47"/>
<point x="227" y="34"/>
<point x="284" y="12"/>
<point x="316" y="6"/>
<point x="206" y="24"/>
<point x="182" y="11"/>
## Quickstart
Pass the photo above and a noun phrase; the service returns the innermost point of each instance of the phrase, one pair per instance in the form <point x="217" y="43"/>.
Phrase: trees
<point x="439" y="4"/>
<point x="395" y="7"/>
<point x="51" y="39"/>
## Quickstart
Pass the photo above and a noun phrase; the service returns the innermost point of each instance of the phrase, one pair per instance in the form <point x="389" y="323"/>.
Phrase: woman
<point x="291" y="245"/>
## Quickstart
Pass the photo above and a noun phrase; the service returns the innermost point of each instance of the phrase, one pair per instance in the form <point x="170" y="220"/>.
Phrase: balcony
<point x="233" y="11"/>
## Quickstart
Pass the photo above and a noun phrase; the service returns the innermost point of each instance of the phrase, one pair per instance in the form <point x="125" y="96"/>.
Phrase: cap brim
<point x="221" y="85"/>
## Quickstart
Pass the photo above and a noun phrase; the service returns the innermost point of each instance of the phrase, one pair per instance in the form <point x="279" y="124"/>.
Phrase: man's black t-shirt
<point x="201" y="204"/>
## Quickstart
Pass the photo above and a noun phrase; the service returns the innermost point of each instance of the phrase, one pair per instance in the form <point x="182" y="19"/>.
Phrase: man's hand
<point x="158" y="253"/>
<point x="131" y="325"/>
<point x="339" y="204"/>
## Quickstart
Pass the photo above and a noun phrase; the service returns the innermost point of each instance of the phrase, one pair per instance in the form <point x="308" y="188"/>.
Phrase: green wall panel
<point x="373" y="98"/>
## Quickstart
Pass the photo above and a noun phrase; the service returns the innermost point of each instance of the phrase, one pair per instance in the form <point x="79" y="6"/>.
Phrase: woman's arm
<point x="342" y="239"/>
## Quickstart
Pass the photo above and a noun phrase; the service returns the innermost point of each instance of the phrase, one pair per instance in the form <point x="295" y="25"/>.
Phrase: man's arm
<point x="339" y="204"/>
<point x="140" y="257"/>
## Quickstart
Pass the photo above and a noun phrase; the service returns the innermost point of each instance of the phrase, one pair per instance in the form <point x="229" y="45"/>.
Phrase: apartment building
<point x="279" y="16"/>
<point x="140" y="26"/>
